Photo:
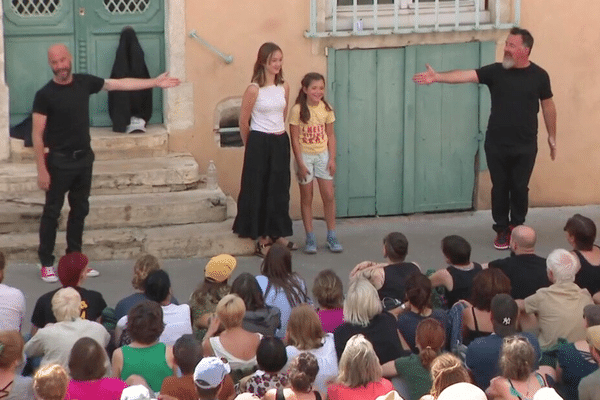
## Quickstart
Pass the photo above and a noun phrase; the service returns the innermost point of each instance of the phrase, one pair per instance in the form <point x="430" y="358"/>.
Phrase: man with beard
<point x="61" y="123"/>
<point x="517" y="87"/>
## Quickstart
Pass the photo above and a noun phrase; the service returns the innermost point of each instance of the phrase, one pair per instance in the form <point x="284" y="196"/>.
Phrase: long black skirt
<point x="264" y="200"/>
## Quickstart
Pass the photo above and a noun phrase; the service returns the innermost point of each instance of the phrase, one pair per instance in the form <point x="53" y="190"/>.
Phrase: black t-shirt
<point x="396" y="275"/>
<point x="381" y="332"/>
<point x="92" y="304"/>
<point x="67" y="110"/>
<point x="527" y="273"/>
<point x="516" y="95"/>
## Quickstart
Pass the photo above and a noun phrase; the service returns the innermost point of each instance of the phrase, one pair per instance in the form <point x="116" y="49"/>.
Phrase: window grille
<point x="126" y="6"/>
<point x="35" y="8"/>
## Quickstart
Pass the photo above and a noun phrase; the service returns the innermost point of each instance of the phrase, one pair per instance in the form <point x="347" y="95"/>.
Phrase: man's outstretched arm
<point x="457" y="76"/>
<point x="126" y="84"/>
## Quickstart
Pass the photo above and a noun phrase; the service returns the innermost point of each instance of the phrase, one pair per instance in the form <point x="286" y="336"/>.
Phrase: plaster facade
<point x="566" y="46"/>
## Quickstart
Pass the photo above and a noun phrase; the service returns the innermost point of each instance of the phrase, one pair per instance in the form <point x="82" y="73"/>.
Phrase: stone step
<point x="173" y="172"/>
<point x="179" y="241"/>
<point x="109" y="145"/>
<point x="123" y="210"/>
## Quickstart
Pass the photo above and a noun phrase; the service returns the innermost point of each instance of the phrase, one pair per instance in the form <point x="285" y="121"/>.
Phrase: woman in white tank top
<point x="263" y="203"/>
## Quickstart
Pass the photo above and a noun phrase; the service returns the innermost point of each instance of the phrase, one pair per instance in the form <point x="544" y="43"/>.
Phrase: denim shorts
<point x="316" y="165"/>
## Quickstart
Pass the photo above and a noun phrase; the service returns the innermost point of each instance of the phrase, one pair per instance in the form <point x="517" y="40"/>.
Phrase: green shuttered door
<point x="404" y="148"/>
<point x="91" y="30"/>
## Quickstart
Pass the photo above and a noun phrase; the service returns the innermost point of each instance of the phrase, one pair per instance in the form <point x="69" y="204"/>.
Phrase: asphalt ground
<point x="361" y="238"/>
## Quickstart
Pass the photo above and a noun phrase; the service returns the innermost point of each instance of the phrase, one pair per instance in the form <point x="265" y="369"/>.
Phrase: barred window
<point x="35" y="8"/>
<point x="126" y="6"/>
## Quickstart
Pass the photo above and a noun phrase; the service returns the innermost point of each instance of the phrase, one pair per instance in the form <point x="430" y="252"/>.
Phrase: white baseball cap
<point x="210" y="372"/>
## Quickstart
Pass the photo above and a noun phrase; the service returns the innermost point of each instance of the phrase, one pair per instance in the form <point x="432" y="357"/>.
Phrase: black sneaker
<point x="502" y="240"/>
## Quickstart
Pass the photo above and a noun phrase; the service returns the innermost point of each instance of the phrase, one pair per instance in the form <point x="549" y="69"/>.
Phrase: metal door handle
<point x="82" y="11"/>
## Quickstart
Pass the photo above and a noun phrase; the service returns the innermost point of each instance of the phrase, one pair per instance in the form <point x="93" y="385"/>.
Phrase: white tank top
<point x="267" y="114"/>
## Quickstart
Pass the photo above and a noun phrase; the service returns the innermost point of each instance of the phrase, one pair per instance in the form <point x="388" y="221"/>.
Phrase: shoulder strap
<point x="317" y="395"/>
<point x="280" y="395"/>
<point x="541" y="380"/>
<point x="475" y="319"/>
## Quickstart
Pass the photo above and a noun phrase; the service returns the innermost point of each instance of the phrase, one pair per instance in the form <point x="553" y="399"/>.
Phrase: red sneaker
<point x="502" y="240"/>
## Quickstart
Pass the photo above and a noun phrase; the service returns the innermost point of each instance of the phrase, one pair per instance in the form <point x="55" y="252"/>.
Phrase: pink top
<point x="101" y="389"/>
<point x="331" y="319"/>
<point x="370" y="392"/>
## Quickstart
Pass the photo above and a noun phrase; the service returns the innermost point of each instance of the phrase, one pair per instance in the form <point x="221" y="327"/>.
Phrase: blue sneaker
<point x="311" y="244"/>
<point x="334" y="245"/>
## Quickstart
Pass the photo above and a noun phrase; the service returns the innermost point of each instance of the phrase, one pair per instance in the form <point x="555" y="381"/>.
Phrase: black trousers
<point x="75" y="180"/>
<point x="510" y="171"/>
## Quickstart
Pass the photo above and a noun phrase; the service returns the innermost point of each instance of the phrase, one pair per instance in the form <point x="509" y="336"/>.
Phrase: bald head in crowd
<point x="522" y="240"/>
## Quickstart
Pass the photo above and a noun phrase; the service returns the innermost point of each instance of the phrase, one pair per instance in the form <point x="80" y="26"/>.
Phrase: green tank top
<point x="148" y="362"/>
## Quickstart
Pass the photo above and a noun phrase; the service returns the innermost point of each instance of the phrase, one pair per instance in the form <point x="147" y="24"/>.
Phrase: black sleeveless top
<point x="588" y="276"/>
<point x="396" y="275"/>
<point x="280" y="396"/>
<point x="463" y="280"/>
<point x="473" y="334"/>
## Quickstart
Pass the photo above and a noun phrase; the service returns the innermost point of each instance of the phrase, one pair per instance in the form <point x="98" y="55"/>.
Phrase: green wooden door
<point x="91" y="29"/>
<point x="404" y="148"/>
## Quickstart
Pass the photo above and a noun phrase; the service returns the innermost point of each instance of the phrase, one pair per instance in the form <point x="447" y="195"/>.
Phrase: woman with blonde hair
<point x="517" y="381"/>
<point x="363" y="313"/>
<point x="50" y="382"/>
<point x="235" y="344"/>
<point x="415" y="369"/>
<point x="55" y="341"/>
<point x="13" y="386"/>
<point x="360" y="375"/>
<point x="446" y="370"/>
<point x="304" y="333"/>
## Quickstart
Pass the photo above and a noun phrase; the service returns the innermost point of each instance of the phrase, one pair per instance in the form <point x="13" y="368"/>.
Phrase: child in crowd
<point x="313" y="143"/>
<point x="328" y="291"/>
<point x="50" y="382"/>
<point x="271" y="357"/>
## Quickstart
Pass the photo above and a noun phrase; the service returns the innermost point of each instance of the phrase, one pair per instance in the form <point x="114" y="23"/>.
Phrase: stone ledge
<point x="181" y="241"/>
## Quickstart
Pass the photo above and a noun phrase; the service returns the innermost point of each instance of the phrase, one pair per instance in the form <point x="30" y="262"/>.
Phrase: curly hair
<point x="446" y="370"/>
<point x="144" y="265"/>
<point x="303" y="371"/>
<point x="517" y="360"/>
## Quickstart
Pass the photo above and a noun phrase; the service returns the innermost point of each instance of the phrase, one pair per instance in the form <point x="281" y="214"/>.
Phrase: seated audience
<point x="176" y="318"/>
<point x="476" y="321"/>
<point x="390" y="278"/>
<point x="144" y="265"/>
<point x="588" y="387"/>
<point x="12" y="303"/>
<point x="363" y="313"/>
<point x="204" y="300"/>
<point x="209" y="375"/>
<point x="302" y="373"/>
<point x="145" y="356"/>
<point x="446" y="370"/>
<point x="72" y="272"/>
<point x="518" y="380"/>
<point x="581" y="234"/>
<point x="305" y="334"/>
<point x="457" y="278"/>
<point x="559" y="307"/>
<point x="271" y="358"/>
<point x="525" y="269"/>
<point x="50" y="382"/>
<point x="328" y="291"/>
<point x="235" y="344"/>
<point x="13" y="386"/>
<point x="88" y="368"/>
<point x="360" y="375"/>
<point x="483" y="353"/>
<point x="187" y="353"/>
<point x="574" y="359"/>
<point x="259" y="317"/>
<point x="55" y="341"/>
<point x="281" y="287"/>
<point x="414" y="369"/>
<point x="416" y="309"/>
